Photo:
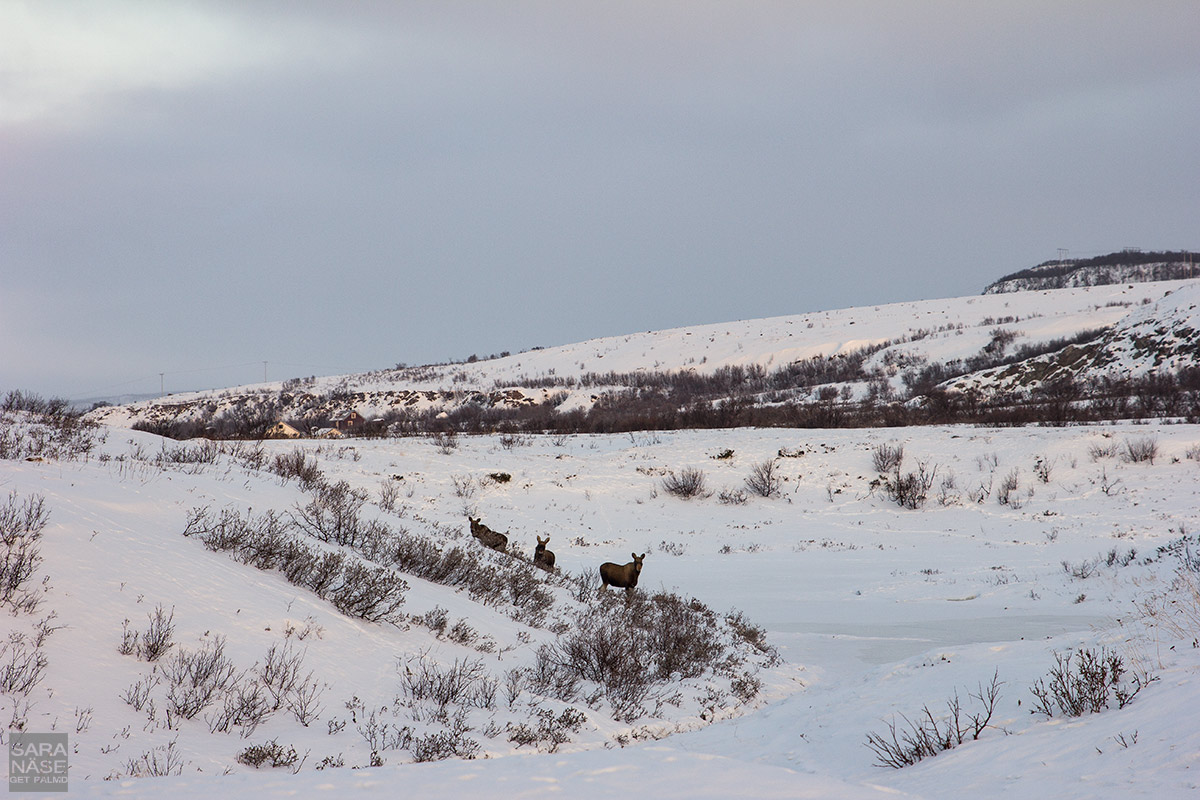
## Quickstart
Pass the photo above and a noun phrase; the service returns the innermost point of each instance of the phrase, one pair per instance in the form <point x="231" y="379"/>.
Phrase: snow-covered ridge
<point x="574" y="375"/>
<point x="1123" y="267"/>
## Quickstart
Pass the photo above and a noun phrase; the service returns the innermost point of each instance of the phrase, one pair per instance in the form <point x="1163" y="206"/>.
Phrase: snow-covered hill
<point x="1129" y="266"/>
<point x="1162" y="337"/>
<point x="893" y="342"/>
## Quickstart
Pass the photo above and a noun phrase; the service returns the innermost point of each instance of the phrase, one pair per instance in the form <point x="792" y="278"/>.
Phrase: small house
<point x="282" y="430"/>
<point x="347" y="422"/>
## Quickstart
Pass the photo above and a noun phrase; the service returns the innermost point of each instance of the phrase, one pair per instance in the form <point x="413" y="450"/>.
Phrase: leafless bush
<point x="887" y="457"/>
<point x="158" y="762"/>
<point x="732" y="497"/>
<point x="34" y="428"/>
<point x="1083" y="570"/>
<point x="1085" y="682"/>
<point x="389" y="493"/>
<point x="1101" y="450"/>
<point x="1005" y="494"/>
<point x="156" y="641"/>
<point x="1143" y="449"/>
<point x="631" y="647"/>
<point x="764" y="479"/>
<point x="368" y="592"/>
<point x="902" y="746"/>
<point x="465" y="683"/>
<point x="138" y="693"/>
<point x="21" y="525"/>
<point x="246" y="705"/>
<point x="195" y="679"/>
<point x="450" y="743"/>
<point x="271" y="753"/>
<point x="446" y="442"/>
<point x="465" y="486"/>
<point x="551" y="731"/>
<point x="1042" y="467"/>
<point x="298" y="464"/>
<point x="203" y="453"/>
<point x="687" y="484"/>
<point x="333" y="515"/>
<point x="282" y="672"/>
<point x="910" y="490"/>
<point x="22" y="665"/>
<point x="510" y="440"/>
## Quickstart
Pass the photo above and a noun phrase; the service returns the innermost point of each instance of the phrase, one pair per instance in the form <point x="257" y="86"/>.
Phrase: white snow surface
<point x="878" y="612"/>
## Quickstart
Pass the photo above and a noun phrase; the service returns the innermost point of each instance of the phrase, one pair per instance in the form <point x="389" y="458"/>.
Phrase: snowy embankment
<point x="878" y="612"/>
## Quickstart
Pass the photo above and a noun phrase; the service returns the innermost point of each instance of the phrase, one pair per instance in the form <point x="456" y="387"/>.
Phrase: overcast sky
<point x="195" y="188"/>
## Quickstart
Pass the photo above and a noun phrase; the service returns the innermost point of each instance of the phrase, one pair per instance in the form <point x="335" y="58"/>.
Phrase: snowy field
<point x="877" y="611"/>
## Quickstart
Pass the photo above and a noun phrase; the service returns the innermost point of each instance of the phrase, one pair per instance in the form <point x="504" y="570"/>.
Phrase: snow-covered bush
<point x="688" y="483"/>
<point x="764" y="479"/>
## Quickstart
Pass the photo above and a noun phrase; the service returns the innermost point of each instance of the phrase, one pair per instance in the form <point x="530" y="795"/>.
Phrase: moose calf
<point x="623" y="576"/>
<point x="487" y="536"/>
<point x="541" y="556"/>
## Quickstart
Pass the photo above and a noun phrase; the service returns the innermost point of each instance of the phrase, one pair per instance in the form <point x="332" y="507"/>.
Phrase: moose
<point x="623" y="576"/>
<point x="487" y="536"/>
<point x="542" y="557"/>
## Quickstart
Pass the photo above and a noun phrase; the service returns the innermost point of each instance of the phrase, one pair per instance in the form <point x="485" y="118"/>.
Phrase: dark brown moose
<point x="487" y="536"/>
<point x="622" y="576"/>
<point x="541" y="556"/>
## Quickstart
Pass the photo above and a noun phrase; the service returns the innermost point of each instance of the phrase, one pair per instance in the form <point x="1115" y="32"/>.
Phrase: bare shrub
<point x="465" y="683"/>
<point x="1005" y="494"/>
<point x="887" y="457"/>
<point x="1085" y="682"/>
<point x="631" y="648"/>
<point x="246" y="705"/>
<point x="732" y="497"/>
<point x="551" y="731"/>
<point x="195" y="679"/>
<point x="298" y="464"/>
<point x="282" y="672"/>
<point x="333" y="515"/>
<point x="22" y="665"/>
<point x="389" y="493"/>
<point x="1101" y="450"/>
<point x="1139" y="450"/>
<point x="21" y="526"/>
<point x="368" y="592"/>
<point x="446" y="442"/>
<point x="138" y="693"/>
<point x="910" y="490"/>
<point x="764" y="479"/>
<point x="687" y="484"/>
<point x="271" y="753"/>
<point x="156" y="641"/>
<point x="928" y="735"/>
<point x="158" y="762"/>
<point x="1042" y="467"/>
<point x="450" y="743"/>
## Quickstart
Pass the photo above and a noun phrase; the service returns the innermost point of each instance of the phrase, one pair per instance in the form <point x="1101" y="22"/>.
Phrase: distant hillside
<point x="972" y="359"/>
<point x="1127" y="266"/>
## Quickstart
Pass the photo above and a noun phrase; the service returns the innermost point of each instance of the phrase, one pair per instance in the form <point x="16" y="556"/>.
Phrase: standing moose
<point x="541" y="556"/>
<point x="623" y="576"/>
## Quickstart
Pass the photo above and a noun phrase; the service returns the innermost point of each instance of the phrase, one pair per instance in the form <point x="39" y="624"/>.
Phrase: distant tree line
<point x="1177" y="265"/>
<point x="671" y="405"/>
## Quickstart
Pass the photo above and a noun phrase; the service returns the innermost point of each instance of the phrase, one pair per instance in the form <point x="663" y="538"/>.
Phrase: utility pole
<point x="162" y="392"/>
<point x="1062" y="255"/>
<point x="264" y="372"/>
